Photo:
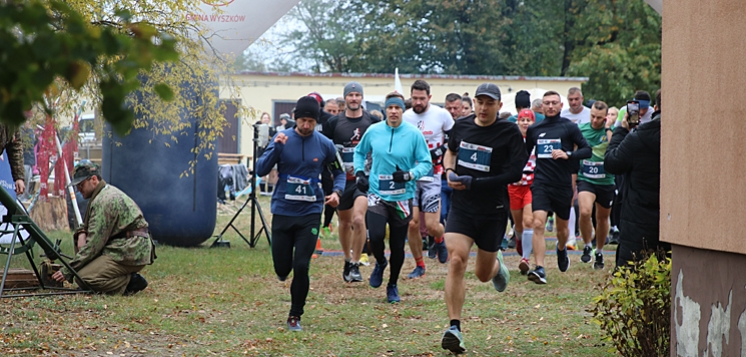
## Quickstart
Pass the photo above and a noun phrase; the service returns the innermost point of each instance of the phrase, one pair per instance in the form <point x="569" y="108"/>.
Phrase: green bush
<point x="634" y="308"/>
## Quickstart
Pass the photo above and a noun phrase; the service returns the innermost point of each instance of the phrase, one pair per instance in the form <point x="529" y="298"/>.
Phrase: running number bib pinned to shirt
<point x="387" y="185"/>
<point x="348" y="158"/>
<point x="298" y="189"/>
<point x="593" y="170"/>
<point x="475" y="157"/>
<point x="544" y="147"/>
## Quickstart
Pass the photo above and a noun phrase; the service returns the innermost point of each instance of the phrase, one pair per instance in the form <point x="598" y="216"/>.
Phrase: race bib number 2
<point x="544" y="147"/>
<point x="387" y="185"/>
<point x="475" y="157"/>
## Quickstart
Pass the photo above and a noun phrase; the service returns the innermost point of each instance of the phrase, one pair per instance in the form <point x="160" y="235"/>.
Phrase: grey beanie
<point x="353" y="87"/>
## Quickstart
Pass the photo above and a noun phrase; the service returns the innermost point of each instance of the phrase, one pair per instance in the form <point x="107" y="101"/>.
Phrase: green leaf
<point x="164" y="91"/>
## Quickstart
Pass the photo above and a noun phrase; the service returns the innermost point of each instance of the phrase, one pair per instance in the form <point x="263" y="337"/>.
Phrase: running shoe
<point x="524" y="266"/>
<point x="364" y="259"/>
<point x="418" y="272"/>
<point x="294" y="324"/>
<point x="502" y="278"/>
<point x="453" y="341"/>
<point x="614" y="238"/>
<point x="550" y="224"/>
<point x="504" y="244"/>
<point x="572" y="243"/>
<point x="442" y="251"/>
<point x="327" y="231"/>
<point x="432" y="249"/>
<point x="512" y="242"/>
<point x="346" y="272"/>
<point x="537" y="275"/>
<point x="563" y="261"/>
<point x="355" y="276"/>
<point x="599" y="263"/>
<point x="587" y="251"/>
<point x="392" y="294"/>
<point x="376" y="278"/>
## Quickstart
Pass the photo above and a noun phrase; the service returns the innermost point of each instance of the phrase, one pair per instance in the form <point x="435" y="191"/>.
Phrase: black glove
<point x="402" y="176"/>
<point x="362" y="182"/>
<point x="437" y="153"/>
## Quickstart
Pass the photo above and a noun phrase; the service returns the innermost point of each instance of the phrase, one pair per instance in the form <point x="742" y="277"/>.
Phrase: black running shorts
<point x="547" y="198"/>
<point x="604" y="193"/>
<point x="487" y="232"/>
<point x="349" y="195"/>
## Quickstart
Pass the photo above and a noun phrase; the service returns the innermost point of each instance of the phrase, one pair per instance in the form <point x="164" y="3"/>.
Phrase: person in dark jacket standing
<point x="300" y="153"/>
<point x="636" y="154"/>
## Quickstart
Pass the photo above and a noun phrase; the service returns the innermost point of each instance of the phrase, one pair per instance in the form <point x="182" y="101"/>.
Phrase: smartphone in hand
<point x="633" y="111"/>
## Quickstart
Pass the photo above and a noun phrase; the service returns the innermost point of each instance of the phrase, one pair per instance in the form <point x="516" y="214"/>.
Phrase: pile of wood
<point x="20" y="278"/>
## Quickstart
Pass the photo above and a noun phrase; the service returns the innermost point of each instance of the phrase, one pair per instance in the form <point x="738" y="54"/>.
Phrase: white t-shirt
<point x="433" y="124"/>
<point x="580" y="118"/>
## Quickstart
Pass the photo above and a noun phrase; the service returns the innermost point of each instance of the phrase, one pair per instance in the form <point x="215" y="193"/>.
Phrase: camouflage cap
<point x="84" y="170"/>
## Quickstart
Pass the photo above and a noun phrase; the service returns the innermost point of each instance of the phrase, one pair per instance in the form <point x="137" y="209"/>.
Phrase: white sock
<point x="527" y="241"/>
<point x="571" y="227"/>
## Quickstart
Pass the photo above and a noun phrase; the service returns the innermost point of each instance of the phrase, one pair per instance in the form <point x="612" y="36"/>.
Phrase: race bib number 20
<point x="475" y="157"/>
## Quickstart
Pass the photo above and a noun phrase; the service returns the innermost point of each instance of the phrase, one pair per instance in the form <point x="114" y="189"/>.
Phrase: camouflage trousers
<point x="104" y="275"/>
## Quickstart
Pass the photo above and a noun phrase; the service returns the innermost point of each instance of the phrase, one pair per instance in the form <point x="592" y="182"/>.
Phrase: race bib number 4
<point x="298" y="189"/>
<point x="387" y="186"/>
<point x="593" y="170"/>
<point x="475" y="157"/>
<point x="544" y="147"/>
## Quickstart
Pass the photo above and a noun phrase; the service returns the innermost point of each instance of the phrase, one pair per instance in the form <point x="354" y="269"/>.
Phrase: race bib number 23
<point x="544" y="147"/>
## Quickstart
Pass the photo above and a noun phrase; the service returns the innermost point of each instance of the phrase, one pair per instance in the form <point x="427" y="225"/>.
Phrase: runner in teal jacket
<point x="399" y="156"/>
<point x="394" y="147"/>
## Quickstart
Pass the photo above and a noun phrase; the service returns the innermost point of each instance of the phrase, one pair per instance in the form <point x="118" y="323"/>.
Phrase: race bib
<point x="544" y="147"/>
<point x="298" y="189"/>
<point x="593" y="170"/>
<point x="387" y="186"/>
<point x="348" y="159"/>
<point x="475" y="157"/>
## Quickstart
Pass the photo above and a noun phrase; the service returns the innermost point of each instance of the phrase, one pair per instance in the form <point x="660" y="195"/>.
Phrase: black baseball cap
<point x="488" y="89"/>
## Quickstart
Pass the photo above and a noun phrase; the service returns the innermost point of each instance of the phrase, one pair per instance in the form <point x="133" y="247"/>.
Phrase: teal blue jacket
<point x="403" y="146"/>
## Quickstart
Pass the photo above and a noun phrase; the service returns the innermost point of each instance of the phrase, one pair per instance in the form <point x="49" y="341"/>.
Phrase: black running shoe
<point x="599" y="263"/>
<point x="614" y="238"/>
<point x="137" y="283"/>
<point x="538" y="276"/>
<point x="355" y="276"/>
<point x="346" y="272"/>
<point x="563" y="261"/>
<point x="586" y="257"/>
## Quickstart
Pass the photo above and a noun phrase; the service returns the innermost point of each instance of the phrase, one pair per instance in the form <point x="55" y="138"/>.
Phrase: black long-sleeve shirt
<point x="556" y="133"/>
<point x="494" y="156"/>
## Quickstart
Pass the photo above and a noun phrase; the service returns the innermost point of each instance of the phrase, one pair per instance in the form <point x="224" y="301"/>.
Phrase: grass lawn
<point x="228" y="302"/>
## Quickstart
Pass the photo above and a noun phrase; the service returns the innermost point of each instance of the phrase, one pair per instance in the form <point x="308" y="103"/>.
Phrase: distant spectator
<point x="504" y="115"/>
<point x="285" y="122"/>
<point x="537" y="109"/>
<point x="332" y="107"/>
<point x="340" y="105"/>
<point x="522" y="101"/>
<point x="466" y="101"/>
<point x="377" y="114"/>
<point x="453" y="105"/>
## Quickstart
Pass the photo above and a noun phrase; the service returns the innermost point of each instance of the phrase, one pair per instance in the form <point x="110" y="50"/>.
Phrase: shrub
<point x="634" y="308"/>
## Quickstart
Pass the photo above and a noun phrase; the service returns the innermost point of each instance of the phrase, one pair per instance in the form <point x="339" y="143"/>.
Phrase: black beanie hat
<point x="307" y="107"/>
<point x="523" y="99"/>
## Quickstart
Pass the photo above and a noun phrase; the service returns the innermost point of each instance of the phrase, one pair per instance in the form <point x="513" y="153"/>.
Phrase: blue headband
<point x="395" y="101"/>
<point x="644" y="104"/>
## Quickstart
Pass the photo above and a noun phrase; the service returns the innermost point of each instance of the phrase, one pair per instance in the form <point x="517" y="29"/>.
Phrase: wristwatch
<point x="609" y="129"/>
<point x="338" y="192"/>
<point x="569" y="153"/>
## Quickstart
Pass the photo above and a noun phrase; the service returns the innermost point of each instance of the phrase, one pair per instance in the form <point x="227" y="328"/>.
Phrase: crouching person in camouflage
<point x="114" y="243"/>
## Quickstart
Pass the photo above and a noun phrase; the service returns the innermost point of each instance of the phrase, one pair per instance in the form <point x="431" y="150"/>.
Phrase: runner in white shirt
<point x="577" y="112"/>
<point x="433" y="122"/>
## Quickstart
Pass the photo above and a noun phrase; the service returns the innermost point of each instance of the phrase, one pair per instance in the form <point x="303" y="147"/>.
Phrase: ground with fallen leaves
<point x="228" y="302"/>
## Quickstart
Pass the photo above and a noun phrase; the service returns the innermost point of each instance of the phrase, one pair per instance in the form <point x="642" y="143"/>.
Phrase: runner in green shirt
<point x="594" y="185"/>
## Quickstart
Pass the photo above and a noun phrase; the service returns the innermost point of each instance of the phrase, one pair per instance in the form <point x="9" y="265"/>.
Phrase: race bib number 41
<point x="298" y="189"/>
<point x="475" y="157"/>
<point x="544" y="147"/>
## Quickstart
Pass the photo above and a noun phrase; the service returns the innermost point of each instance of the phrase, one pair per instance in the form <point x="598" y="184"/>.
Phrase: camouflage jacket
<point x="111" y="213"/>
<point x="10" y="140"/>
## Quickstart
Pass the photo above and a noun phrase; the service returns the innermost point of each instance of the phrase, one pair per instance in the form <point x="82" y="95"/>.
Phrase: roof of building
<point x="415" y="76"/>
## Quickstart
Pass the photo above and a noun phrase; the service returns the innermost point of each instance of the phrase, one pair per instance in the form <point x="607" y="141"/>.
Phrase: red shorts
<point x="520" y="196"/>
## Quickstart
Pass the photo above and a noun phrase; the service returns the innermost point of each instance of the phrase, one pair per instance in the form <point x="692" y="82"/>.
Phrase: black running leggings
<point x="300" y="234"/>
<point x="397" y="239"/>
